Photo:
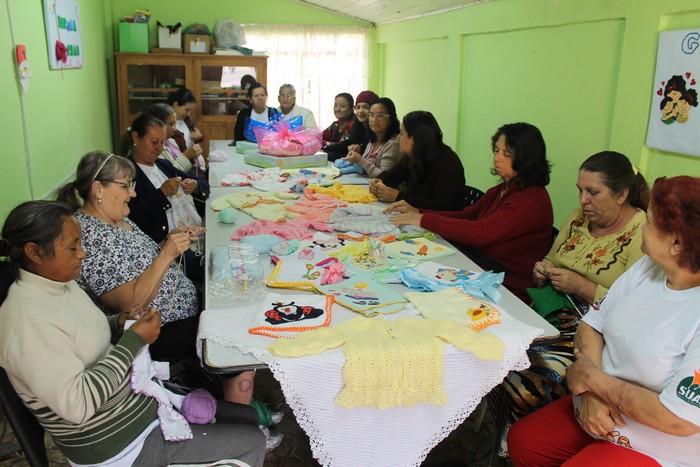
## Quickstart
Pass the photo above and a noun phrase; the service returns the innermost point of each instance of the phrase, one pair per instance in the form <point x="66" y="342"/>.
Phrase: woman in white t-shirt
<point x="636" y="379"/>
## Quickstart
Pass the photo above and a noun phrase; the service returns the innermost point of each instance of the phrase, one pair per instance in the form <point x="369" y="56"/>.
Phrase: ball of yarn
<point x="227" y="216"/>
<point x="199" y="407"/>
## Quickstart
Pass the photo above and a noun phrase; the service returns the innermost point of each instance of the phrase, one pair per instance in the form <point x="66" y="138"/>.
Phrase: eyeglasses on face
<point x="130" y="186"/>
<point x="287" y="97"/>
<point x="380" y="116"/>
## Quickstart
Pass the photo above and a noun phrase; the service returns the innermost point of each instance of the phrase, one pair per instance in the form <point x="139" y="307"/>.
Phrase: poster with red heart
<point x="674" y="120"/>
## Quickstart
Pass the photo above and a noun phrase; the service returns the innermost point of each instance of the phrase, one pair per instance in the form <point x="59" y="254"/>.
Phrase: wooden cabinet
<point x="215" y="80"/>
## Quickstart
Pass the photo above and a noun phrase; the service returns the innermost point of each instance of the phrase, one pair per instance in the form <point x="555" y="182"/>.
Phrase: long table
<point x="362" y="435"/>
<point x="235" y="163"/>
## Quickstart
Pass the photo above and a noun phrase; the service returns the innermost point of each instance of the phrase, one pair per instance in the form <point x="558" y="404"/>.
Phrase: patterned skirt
<point x="524" y="392"/>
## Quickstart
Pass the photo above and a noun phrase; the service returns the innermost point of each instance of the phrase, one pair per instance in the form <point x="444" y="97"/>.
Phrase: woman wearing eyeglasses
<point x="383" y="151"/>
<point x="124" y="269"/>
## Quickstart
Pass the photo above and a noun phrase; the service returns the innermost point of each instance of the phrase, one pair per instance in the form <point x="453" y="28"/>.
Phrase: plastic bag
<point x="251" y="125"/>
<point x="236" y="273"/>
<point x="280" y="140"/>
<point x="228" y="33"/>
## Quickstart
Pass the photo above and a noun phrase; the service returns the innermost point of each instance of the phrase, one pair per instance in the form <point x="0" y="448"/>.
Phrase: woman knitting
<point x="57" y="352"/>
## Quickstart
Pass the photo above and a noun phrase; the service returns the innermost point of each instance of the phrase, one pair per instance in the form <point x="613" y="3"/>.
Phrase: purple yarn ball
<point x="199" y="407"/>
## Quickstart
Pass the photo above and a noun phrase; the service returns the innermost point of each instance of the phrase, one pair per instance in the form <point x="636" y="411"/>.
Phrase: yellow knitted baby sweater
<point x="349" y="193"/>
<point x="392" y="363"/>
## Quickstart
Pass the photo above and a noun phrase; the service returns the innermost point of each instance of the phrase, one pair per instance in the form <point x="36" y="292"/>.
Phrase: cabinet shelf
<point x="139" y="89"/>
<point x="215" y="113"/>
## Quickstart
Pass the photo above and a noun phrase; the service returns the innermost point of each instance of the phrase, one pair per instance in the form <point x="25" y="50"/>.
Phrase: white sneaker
<point x="276" y="416"/>
<point x="273" y="438"/>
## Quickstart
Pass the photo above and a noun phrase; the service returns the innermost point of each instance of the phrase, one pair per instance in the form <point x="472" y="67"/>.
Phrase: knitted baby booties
<point x="347" y="167"/>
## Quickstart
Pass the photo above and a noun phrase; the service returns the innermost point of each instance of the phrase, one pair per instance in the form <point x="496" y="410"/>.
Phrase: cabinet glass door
<point x="149" y="83"/>
<point x="223" y="88"/>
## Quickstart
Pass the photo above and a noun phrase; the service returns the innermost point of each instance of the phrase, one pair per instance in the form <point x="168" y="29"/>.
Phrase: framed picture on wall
<point x="674" y="120"/>
<point x="63" y="34"/>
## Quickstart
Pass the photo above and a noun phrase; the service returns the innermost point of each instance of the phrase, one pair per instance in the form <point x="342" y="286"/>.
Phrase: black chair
<point x="25" y="426"/>
<point x="555" y="232"/>
<point x="471" y="195"/>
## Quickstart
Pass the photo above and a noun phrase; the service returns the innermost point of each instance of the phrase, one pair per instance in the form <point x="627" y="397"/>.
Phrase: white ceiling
<point x="388" y="11"/>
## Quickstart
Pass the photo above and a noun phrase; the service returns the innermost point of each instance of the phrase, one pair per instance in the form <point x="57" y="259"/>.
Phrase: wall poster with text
<point x="63" y="34"/>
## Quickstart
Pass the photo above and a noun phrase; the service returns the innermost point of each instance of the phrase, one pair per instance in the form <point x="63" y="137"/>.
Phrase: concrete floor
<point x="464" y="446"/>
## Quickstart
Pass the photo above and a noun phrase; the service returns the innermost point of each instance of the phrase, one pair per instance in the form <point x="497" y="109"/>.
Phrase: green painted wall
<point x="13" y="177"/>
<point x="582" y="71"/>
<point x="66" y="111"/>
<point x="208" y="11"/>
<point x="70" y="112"/>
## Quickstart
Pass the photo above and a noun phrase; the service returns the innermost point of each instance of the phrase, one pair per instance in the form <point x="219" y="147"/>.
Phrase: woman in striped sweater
<point x="55" y="346"/>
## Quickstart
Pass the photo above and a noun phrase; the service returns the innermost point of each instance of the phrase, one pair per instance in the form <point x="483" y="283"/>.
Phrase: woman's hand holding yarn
<point x="193" y="152"/>
<point x="176" y="244"/>
<point x="188" y="186"/>
<point x="170" y="186"/>
<point x="148" y="326"/>
<point x="353" y="157"/>
<point x="540" y="274"/>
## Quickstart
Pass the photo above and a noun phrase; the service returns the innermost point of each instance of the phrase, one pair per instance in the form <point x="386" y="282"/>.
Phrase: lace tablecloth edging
<point x="397" y="436"/>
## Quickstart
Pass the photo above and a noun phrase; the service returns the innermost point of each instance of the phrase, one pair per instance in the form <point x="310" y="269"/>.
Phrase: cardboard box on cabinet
<point x="197" y="44"/>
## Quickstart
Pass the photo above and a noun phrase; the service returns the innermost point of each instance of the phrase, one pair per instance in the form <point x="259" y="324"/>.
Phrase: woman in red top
<point x="510" y="227"/>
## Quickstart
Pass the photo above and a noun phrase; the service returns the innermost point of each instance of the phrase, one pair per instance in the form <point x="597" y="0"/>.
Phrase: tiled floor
<point x="464" y="446"/>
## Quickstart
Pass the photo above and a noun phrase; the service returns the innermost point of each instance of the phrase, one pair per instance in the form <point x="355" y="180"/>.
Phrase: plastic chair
<point x="471" y="195"/>
<point x="25" y="426"/>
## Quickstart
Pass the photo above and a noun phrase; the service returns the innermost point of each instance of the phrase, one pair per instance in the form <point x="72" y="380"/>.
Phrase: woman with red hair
<point x="636" y="378"/>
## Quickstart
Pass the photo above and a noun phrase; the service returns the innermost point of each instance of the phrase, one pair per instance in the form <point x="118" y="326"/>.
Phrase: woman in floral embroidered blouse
<point x="599" y="241"/>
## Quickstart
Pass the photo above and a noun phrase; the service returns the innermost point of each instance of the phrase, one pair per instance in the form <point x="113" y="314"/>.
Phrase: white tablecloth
<point x="364" y="436"/>
<point x="360" y="436"/>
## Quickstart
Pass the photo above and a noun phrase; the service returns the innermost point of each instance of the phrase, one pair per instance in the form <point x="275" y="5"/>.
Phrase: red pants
<point x="552" y="436"/>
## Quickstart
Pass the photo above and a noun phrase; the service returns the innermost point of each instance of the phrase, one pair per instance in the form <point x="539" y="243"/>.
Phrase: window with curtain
<point x="319" y="61"/>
